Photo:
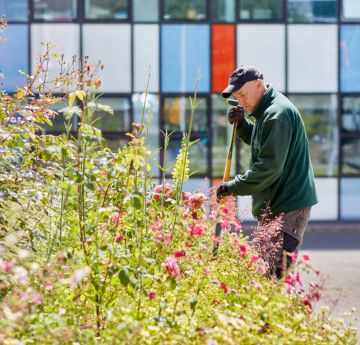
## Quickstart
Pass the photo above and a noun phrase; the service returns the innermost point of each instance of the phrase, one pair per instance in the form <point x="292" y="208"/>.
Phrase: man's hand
<point x="222" y="191"/>
<point x="236" y="114"/>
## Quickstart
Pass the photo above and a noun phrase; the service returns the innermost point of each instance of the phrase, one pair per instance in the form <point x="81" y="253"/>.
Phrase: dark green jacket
<point x="280" y="171"/>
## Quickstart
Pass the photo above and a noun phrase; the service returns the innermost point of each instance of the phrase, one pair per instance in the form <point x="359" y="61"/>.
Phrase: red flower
<point x="152" y="295"/>
<point x="115" y="219"/>
<point x="179" y="253"/>
<point x="243" y="250"/>
<point x="196" y="230"/>
<point x="306" y="257"/>
<point x="224" y="287"/>
<point x="119" y="237"/>
<point x="253" y="259"/>
<point x="171" y="267"/>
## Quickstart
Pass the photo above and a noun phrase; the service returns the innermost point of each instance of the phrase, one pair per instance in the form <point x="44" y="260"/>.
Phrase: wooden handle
<point x="226" y="176"/>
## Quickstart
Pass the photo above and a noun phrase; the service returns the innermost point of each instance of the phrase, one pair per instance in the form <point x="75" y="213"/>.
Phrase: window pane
<point x="223" y="55"/>
<point x="349" y="58"/>
<point x="221" y="133"/>
<point x="350" y="198"/>
<point x="327" y="207"/>
<point x="55" y="10"/>
<point x="223" y="11"/>
<point x="350" y="164"/>
<point x="116" y="76"/>
<point x="351" y="9"/>
<point x="269" y="39"/>
<point x="312" y="10"/>
<point x="146" y="57"/>
<point x="260" y="9"/>
<point x="120" y="121"/>
<point x="312" y="56"/>
<point x="197" y="155"/>
<point x="100" y="9"/>
<point x="59" y="120"/>
<point x="64" y="37"/>
<point x="200" y="184"/>
<point x="184" y="50"/>
<point x="185" y="9"/>
<point x="15" y="10"/>
<point x="319" y="115"/>
<point x="176" y="114"/>
<point x="146" y="10"/>
<point x="14" y="56"/>
<point x="350" y="117"/>
<point x="115" y="143"/>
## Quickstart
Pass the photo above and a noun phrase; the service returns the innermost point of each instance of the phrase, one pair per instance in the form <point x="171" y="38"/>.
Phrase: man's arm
<point x="244" y="131"/>
<point x="268" y="168"/>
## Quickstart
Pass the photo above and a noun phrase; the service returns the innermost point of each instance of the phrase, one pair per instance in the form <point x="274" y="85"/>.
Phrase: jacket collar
<point x="264" y="102"/>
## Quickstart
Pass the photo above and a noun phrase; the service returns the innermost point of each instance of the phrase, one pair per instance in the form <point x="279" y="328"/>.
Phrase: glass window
<point x="146" y="10"/>
<point x="350" y="198"/>
<point x="319" y="115"/>
<point x="14" y="57"/>
<point x="116" y="76"/>
<point x="202" y="185"/>
<point x="349" y="58"/>
<point x="260" y="9"/>
<point x="221" y="133"/>
<point x="268" y="54"/>
<point x="120" y="121"/>
<point x="327" y="207"/>
<point x="185" y="9"/>
<point x="223" y="11"/>
<point x="53" y="10"/>
<point x="350" y="117"/>
<point x="198" y="154"/>
<point x="312" y="10"/>
<point x="350" y="148"/>
<point x="100" y="9"/>
<point x="59" y="120"/>
<point x="185" y="49"/>
<point x="146" y="57"/>
<point x="15" y="10"/>
<point x="176" y="114"/>
<point x="223" y="55"/>
<point x="312" y="58"/>
<point x="350" y="10"/>
<point x="65" y="39"/>
<point x="114" y="143"/>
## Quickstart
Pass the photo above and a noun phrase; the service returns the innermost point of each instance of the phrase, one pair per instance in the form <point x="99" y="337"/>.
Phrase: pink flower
<point x="185" y="196"/>
<point x="49" y="286"/>
<point x="306" y="257"/>
<point x="196" y="200"/>
<point x="115" y="219"/>
<point x="171" y="267"/>
<point x="294" y="256"/>
<point x="179" y="253"/>
<point x="293" y="279"/>
<point x="224" y="287"/>
<point x="156" y="227"/>
<point x="254" y="258"/>
<point x="37" y="298"/>
<point x="152" y="295"/>
<point x="226" y="211"/>
<point x="225" y="225"/>
<point x="196" y="230"/>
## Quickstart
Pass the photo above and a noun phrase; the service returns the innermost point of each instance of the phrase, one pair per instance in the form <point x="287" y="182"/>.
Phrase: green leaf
<point x="72" y="99"/>
<point x="124" y="278"/>
<point x="192" y="301"/>
<point x="137" y="202"/>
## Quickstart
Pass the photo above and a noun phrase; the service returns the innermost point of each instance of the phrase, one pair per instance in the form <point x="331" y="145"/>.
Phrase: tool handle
<point x="233" y="102"/>
<point x="226" y="176"/>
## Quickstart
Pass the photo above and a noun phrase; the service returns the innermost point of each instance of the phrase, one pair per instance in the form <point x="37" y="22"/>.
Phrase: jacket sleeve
<point x="275" y="141"/>
<point x="244" y="132"/>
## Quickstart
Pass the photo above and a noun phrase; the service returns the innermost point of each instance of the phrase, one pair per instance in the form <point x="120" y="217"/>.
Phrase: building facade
<point x="308" y="49"/>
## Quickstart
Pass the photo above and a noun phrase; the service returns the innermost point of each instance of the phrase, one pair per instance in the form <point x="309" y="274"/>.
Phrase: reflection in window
<point x="260" y="9"/>
<point x="115" y="143"/>
<point x="14" y="10"/>
<point x="319" y="115"/>
<point x="61" y="119"/>
<point x="185" y="9"/>
<point x="350" y="148"/>
<point x="106" y="9"/>
<point x="351" y="9"/>
<point x="349" y="58"/>
<point x="312" y="10"/>
<point x="350" y="117"/>
<point x="120" y="121"/>
<point x="55" y="10"/>
<point x="350" y="198"/>
<point x="223" y="11"/>
<point x="176" y="113"/>
<point x="146" y="10"/>
<point x="221" y="132"/>
<point x="197" y="155"/>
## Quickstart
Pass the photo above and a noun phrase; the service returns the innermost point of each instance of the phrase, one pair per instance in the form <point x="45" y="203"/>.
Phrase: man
<point x="280" y="175"/>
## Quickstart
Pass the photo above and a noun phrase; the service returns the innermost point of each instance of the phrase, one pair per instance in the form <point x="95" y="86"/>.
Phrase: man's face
<point x="249" y="95"/>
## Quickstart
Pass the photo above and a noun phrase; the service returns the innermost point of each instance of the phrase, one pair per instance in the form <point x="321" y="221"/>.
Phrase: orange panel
<point x="223" y="55"/>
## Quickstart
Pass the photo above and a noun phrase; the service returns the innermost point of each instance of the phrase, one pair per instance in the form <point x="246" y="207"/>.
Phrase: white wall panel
<point x="146" y="54"/>
<point x="312" y="58"/>
<point x="327" y="207"/>
<point x="264" y="47"/>
<point x="110" y="43"/>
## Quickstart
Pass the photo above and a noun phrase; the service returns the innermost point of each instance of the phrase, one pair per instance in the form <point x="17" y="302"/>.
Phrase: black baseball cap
<point x="239" y="77"/>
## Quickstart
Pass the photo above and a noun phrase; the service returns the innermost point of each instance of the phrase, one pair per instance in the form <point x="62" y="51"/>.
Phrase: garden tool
<point x="226" y="176"/>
